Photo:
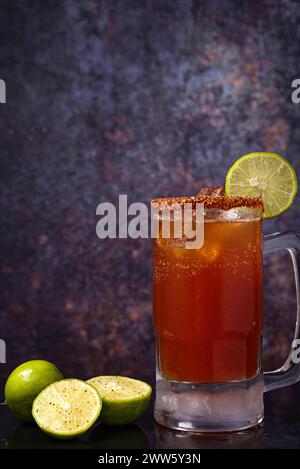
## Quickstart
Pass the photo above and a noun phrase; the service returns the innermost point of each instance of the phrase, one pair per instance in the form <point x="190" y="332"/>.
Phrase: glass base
<point x="167" y="438"/>
<point x="215" y="407"/>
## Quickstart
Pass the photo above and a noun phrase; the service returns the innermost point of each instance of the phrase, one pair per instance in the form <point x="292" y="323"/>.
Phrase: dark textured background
<point x="149" y="98"/>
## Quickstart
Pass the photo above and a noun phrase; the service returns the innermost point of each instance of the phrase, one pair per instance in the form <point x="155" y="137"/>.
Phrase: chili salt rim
<point x="218" y="202"/>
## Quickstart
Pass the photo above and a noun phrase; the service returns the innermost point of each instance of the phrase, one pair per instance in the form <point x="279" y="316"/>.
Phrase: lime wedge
<point x="67" y="408"/>
<point x="267" y="175"/>
<point x="124" y="399"/>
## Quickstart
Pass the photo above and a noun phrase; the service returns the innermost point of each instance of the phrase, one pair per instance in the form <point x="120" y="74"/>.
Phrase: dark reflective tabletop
<point x="281" y="429"/>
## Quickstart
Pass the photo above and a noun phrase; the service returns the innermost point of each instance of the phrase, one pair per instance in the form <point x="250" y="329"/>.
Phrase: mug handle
<point x="289" y="373"/>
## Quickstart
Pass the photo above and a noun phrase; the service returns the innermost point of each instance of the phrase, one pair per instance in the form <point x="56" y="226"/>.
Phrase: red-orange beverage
<point x="208" y="301"/>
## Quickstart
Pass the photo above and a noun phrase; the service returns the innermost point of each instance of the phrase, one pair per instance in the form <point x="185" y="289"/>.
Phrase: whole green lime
<point x="26" y="382"/>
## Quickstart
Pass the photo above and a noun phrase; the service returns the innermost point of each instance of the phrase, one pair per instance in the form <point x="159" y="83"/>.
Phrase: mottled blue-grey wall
<point x="147" y="98"/>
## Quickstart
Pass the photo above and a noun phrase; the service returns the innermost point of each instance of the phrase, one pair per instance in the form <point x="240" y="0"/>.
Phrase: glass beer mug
<point x="208" y="317"/>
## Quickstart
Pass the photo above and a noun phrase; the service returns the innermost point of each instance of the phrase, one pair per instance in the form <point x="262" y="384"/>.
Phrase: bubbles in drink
<point x="190" y="303"/>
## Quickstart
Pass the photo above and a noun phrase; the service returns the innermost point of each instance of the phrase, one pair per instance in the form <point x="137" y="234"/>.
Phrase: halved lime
<point x="267" y="175"/>
<point x="67" y="408"/>
<point x="124" y="399"/>
<point x="26" y="382"/>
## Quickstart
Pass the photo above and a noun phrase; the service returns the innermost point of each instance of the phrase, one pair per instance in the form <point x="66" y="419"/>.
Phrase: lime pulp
<point x="67" y="408"/>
